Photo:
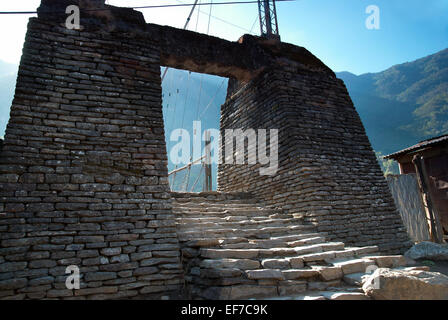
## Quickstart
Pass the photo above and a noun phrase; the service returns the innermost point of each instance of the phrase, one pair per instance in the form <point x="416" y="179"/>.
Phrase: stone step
<point x="300" y="274"/>
<point x="343" y="293"/>
<point x="351" y="266"/>
<point x="217" y="205"/>
<point x="258" y="233"/>
<point x="227" y="215"/>
<point x="318" y="248"/>
<point x="238" y="224"/>
<point x="236" y="249"/>
<point x="219" y="209"/>
<point x="362" y="251"/>
<point x="203" y="203"/>
<point x="266" y="244"/>
<point x="274" y="288"/>
<point x="230" y="218"/>
<point x="336" y="295"/>
<point x="289" y="238"/>
<point x="202" y="219"/>
<point x="215" y="212"/>
<point x="265" y="274"/>
<point x="215" y="200"/>
<point x="229" y="253"/>
<point x="235" y="220"/>
<point x="315" y="252"/>
<point x="184" y="197"/>
<point x="244" y="243"/>
<point x="242" y="264"/>
<point x="391" y="261"/>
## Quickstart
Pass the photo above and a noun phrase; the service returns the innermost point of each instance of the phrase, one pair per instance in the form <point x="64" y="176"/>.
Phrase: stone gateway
<point x="83" y="168"/>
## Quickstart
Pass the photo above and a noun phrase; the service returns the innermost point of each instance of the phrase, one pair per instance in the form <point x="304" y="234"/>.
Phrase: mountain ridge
<point x="403" y="104"/>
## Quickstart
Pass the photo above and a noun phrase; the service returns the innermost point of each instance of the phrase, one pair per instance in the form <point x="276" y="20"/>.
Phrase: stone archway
<point x="84" y="165"/>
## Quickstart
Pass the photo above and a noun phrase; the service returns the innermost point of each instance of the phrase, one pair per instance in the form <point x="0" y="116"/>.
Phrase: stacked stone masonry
<point x="83" y="168"/>
<point x="327" y="169"/>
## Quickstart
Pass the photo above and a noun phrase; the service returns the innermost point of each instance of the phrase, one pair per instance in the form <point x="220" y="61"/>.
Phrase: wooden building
<point x="433" y="154"/>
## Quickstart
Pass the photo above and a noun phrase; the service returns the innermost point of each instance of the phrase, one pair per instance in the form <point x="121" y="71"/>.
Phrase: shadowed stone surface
<point x="83" y="168"/>
<point x="428" y="250"/>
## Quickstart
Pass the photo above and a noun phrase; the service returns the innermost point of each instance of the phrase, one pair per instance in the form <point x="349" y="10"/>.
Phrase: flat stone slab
<point x="322" y="256"/>
<point x="275" y="264"/>
<point x="300" y="274"/>
<point x="243" y="264"/>
<point x="229" y="253"/>
<point x="329" y="273"/>
<point x="264" y="274"/>
<point x="203" y="243"/>
<point x="295" y="262"/>
<point x="358" y="251"/>
<point x="391" y="261"/>
<point x="354" y="265"/>
<point x="428" y="250"/>
<point x="276" y="252"/>
<point x="394" y="284"/>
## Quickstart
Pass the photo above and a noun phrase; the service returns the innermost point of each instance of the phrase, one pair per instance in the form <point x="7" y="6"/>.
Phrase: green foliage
<point x="388" y="166"/>
<point x="428" y="263"/>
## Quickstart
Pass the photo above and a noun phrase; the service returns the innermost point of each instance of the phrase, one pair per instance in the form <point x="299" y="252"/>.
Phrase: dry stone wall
<point x="83" y="170"/>
<point x="327" y="169"/>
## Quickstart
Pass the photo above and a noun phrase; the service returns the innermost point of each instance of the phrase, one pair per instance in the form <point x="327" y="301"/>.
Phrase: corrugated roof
<point x="421" y="145"/>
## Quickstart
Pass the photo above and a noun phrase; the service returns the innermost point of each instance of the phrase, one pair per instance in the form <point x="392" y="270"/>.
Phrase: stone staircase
<point x="235" y="248"/>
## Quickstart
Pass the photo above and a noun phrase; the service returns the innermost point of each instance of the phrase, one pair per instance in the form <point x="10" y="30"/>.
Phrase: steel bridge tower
<point x="268" y="19"/>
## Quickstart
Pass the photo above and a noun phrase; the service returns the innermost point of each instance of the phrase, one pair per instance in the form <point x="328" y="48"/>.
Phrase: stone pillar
<point x="83" y="170"/>
<point x="327" y="169"/>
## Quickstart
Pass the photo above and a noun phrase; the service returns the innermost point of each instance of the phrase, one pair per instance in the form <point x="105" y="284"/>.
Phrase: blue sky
<point x="334" y="30"/>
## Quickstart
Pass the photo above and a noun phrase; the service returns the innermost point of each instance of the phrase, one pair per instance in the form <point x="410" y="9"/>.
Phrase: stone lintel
<point x="183" y="49"/>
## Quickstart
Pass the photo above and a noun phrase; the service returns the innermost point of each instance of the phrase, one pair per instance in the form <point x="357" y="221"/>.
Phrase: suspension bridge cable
<point x="197" y="19"/>
<point x="200" y="90"/>
<point x="153" y="6"/>
<point x="185" y="27"/>
<point x="223" y="21"/>
<point x="197" y="179"/>
<point x="255" y="22"/>
<point x="209" y="16"/>
<point x="214" y="97"/>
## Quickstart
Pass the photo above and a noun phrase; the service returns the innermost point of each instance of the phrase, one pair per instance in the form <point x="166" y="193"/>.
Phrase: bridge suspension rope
<point x="205" y="167"/>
